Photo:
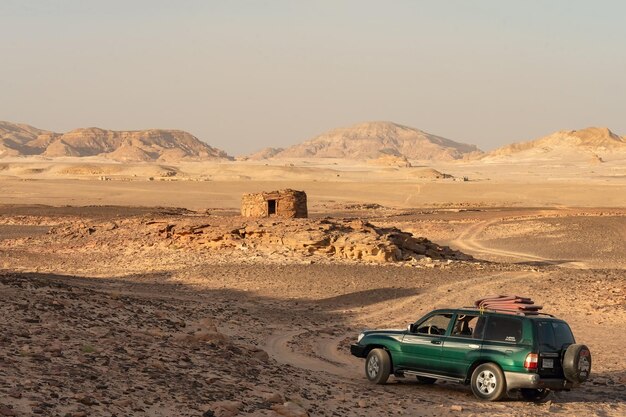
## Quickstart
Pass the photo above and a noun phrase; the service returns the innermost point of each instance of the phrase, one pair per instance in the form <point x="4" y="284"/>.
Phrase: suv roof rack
<point x="512" y="312"/>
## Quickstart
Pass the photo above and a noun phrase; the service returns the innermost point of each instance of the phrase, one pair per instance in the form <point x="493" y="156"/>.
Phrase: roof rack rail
<point x="539" y="313"/>
<point x="512" y="312"/>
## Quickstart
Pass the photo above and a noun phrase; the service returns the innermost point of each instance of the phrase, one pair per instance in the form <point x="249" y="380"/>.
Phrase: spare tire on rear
<point x="577" y="363"/>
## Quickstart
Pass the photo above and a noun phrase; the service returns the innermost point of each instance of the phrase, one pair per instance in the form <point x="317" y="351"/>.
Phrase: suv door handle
<point x="473" y="346"/>
<point x="435" y="342"/>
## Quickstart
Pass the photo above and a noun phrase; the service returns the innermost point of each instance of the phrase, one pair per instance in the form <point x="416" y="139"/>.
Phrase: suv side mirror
<point x="411" y="328"/>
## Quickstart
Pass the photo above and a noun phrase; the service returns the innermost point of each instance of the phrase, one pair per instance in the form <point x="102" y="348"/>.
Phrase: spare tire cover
<point x="577" y="363"/>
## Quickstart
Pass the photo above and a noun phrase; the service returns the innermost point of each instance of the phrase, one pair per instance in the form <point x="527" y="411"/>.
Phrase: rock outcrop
<point x="350" y="240"/>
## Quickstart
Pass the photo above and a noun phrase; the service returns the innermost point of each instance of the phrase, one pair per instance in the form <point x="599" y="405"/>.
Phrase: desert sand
<point x="137" y="288"/>
<point x="114" y="306"/>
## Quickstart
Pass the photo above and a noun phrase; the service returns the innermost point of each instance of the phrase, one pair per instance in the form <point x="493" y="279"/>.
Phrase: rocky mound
<point x="375" y="139"/>
<point x="126" y="146"/>
<point x="391" y="161"/>
<point x="331" y="239"/>
<point x="428" y="173"/>
<point x="265" y="153"/>
<point x="590" y="144"/>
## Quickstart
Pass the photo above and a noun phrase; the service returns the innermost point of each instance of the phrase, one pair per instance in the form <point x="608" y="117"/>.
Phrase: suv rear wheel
<point x="378" y="366"/>
<point x="488" y="382"/>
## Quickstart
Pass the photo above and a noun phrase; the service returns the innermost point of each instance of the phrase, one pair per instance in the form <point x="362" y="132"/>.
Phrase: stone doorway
<point x="271" y="207"/>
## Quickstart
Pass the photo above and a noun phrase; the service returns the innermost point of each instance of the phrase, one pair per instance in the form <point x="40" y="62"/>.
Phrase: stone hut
<point x="283" y="203"/>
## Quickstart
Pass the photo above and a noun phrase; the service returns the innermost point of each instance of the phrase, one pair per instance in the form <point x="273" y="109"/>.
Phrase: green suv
<point x="495" y="352"/>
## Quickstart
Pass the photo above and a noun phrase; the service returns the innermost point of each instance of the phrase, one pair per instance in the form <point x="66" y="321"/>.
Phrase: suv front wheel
<point x="378" y="366"/>
<point x="488" y="382"/>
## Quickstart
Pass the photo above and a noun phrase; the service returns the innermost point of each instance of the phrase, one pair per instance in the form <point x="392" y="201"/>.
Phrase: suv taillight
<point x="532" y="361"/>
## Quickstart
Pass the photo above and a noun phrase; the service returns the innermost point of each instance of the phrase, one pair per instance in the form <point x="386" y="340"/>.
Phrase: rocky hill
<point x="127" y="146"/>
<point x="593" y="143"/>
<point x="265" y="153"/>
<point x="375" y="139"/>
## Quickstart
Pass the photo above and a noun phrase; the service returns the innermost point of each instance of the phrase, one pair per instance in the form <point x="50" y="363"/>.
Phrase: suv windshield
<point x="554" y="335"/>
<point x="436" y="324"/>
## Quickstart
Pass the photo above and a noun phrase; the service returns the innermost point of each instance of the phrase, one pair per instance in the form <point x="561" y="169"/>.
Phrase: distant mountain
<point x="375" y="139"/>
<point x="265" y="153"/>
<point x="128" y="146"/>
<point x="592" y="143"/>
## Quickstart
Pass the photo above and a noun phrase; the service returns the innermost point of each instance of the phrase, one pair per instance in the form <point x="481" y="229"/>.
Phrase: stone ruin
<point x="283" y="203"/>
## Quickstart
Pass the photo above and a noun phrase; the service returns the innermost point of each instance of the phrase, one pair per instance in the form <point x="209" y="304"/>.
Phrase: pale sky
<point x="243" y="75"/>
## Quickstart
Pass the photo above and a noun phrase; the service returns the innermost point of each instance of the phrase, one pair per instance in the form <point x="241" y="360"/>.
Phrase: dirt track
<point x="81" y="335"/>
<point x="469" y="242"/>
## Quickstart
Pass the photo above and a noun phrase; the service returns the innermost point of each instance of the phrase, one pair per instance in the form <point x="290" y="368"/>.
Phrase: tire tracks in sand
<point x="329" y="358"/>
<point x="284" y="347"/>
<point x="468" y="242"/>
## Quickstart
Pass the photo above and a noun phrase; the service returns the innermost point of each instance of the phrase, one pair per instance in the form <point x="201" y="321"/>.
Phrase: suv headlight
<point x="358" y="339"/>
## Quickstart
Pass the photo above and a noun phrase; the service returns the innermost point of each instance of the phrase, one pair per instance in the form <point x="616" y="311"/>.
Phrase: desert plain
<point x="138" y="289"/>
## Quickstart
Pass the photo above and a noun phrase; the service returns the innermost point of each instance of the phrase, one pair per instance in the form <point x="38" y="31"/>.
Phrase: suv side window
<point x="503" y="329"/>
<point x="436" y="324"/>
<point x="467" y="325"/>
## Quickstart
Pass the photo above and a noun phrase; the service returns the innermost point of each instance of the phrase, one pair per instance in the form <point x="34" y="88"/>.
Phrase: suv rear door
<point x="506" y="342"/>
<point x="553" y="338"/>
<point x="462" y="347"/>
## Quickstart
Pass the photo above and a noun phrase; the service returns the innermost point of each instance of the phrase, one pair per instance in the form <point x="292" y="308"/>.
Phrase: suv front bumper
<point x="516" y="380"/>
<point x="358" y="350"/>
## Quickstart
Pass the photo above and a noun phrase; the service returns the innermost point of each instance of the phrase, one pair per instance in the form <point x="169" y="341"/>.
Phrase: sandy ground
<point x="138" y="290"/>
<point x="138" y="327"/>
<point x="209" y="185"/>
